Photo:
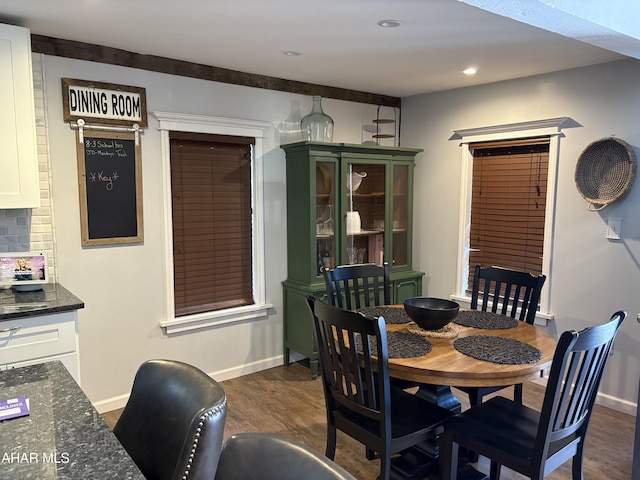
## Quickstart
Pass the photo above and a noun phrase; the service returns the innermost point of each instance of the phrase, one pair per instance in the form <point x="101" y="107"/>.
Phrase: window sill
<point x="215" y="319"/>
<point x="542" y="319"/>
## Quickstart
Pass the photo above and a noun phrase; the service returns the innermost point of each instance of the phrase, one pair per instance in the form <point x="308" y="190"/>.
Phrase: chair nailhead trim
<point x="218" y="408"/>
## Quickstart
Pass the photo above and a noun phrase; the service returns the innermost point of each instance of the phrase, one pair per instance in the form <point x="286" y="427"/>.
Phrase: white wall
<point x="122" y="285"/>
<point x="591" y="276"/>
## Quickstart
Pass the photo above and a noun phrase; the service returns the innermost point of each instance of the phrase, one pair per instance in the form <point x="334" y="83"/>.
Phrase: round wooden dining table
<point x="444" y="365"/>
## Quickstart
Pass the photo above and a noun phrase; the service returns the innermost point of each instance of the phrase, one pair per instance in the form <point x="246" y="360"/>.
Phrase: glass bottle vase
<point x="317" y="126"/>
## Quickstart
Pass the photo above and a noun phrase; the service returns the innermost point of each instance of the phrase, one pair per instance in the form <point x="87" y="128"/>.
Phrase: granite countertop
<point x="63" y="437"/>
<point x="53" y="298"/>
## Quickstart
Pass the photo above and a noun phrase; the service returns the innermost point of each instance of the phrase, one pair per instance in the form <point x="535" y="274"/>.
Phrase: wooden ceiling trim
<point x="113" y="56"/>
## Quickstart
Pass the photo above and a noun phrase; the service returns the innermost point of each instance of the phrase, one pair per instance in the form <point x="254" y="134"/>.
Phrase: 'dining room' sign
<point x="106" y="103"/>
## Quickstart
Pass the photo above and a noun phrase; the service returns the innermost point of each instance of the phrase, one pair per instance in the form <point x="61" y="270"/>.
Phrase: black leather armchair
<point x="173" y="424"/>
<point x="266" y="456"/>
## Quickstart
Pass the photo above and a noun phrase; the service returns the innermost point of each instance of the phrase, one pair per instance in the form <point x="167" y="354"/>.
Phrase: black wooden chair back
<point x="359" y="400"/>
<point x="356" y="286"/>
<point x="575" y="375"/>
<point x="350" y="377"/>
<point x="509" y="292"/>
<point x="530" y="442"/>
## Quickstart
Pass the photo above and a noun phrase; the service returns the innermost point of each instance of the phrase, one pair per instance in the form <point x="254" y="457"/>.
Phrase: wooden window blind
<point x="212" y="222"/>
<point x="509" y="190"/>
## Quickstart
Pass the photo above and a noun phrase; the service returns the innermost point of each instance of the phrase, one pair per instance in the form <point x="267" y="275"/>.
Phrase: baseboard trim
<point x="247" y="368"/>
<point x="615" y="403"/>
<point x="623" y="406"/>
<point x="114" y="403"/>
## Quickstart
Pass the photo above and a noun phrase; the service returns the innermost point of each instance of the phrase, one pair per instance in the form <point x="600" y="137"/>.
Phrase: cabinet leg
<point x="313" y="363"/>
<point x="287" y="355"/>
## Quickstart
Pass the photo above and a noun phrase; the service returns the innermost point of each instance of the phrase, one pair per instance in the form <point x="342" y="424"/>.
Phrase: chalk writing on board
<point x="102" y="148"/>
<point x="105" y="179"/>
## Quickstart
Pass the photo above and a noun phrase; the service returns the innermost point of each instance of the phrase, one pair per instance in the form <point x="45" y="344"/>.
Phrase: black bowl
<point x="431" y="313"/>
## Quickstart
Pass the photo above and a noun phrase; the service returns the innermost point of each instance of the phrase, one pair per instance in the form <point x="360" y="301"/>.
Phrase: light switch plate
<point x="614" y="228"/>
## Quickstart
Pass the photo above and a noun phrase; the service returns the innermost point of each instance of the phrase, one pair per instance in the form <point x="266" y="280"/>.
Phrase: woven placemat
<point x="497" y="349"/>
<point x="486" y="320"/>
<point x="392" y="315"/>
<point x="448" y="331"/>
<point x="403" y="345"/>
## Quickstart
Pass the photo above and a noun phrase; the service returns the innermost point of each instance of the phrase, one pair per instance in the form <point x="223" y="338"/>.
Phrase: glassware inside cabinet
<point x="325" y="216"/>
<point x="400" y="221"/>
<point x="365" y="213"/>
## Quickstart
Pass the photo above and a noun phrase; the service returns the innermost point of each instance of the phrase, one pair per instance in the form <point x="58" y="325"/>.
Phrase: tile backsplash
<point x="26" y="229"/>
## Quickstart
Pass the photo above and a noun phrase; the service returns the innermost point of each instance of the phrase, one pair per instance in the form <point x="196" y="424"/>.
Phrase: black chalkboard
<point x="110" y="188"/>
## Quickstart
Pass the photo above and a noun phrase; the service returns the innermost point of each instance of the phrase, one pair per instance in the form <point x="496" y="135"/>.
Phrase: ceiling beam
<point x="113" y="56"/>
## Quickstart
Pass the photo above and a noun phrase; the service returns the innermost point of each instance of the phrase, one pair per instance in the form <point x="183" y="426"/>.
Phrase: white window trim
<point x="178" y="122"/>
<point x="548" y="127"/>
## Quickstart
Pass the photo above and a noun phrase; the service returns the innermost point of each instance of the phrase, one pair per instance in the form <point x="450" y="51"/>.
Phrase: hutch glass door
<point x="401" y="212"/>
<point x="365" y="213"/>
<point x="325" y="215"/>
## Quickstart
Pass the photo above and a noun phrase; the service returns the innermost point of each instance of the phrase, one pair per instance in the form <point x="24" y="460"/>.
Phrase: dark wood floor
<point x="285" y="400"/>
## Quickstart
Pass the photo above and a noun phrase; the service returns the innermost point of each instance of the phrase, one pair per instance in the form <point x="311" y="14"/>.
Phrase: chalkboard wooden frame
<point x="110" y="184"/>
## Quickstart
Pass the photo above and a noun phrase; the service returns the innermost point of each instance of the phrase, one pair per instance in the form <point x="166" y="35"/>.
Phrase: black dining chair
<point x="508" y="292"/>
<point x="359" y="398"/>
<point x="534" y="443"/>
<point x="361" y="285"/>
<point x="270" y="456"/>
<point x="355" y="286"/>
<point x="173" y="423"/>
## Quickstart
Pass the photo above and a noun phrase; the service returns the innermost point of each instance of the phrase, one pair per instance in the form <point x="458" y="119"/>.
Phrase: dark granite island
<point x="39" y="326"/>
<point x="63" y="437"/>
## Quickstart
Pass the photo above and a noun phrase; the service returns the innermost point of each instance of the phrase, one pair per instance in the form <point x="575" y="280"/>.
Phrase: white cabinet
<point x="41" y="338"/>
<point x="18" y="150"/>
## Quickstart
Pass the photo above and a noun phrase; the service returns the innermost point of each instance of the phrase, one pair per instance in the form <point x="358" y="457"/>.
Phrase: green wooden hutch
<point x="345" y="204"/>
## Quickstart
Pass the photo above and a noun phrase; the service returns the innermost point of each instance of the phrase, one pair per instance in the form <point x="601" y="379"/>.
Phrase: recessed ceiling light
<point x="389" y="23"/>
<point x="291" y="53"/>
<point x="470" y="71"/>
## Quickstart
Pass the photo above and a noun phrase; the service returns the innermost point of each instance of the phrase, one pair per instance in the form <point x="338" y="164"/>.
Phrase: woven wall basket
<point x="605" y="172"/>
